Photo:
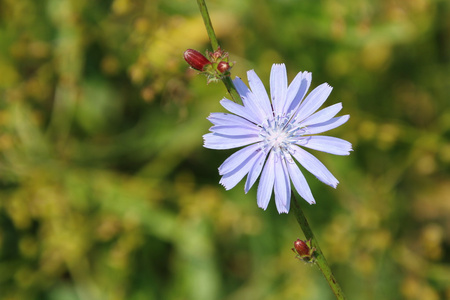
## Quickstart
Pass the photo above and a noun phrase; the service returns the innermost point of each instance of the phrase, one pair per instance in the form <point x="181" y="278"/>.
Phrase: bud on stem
<point x="304" y="251"/>
<point x="195" y="59"/>
<point x="223" y="67"/>
<point x="216" y="67"/>
<point x="301" y="247"/>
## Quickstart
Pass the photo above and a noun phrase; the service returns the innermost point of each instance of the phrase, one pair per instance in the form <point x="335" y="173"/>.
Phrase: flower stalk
<point x="215" y="45"/>
<point x="315" y="254"/>
<point x="319" y="258"/>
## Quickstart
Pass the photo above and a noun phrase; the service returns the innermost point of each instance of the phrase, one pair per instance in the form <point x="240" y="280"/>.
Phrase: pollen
<point x="278" y="134"/>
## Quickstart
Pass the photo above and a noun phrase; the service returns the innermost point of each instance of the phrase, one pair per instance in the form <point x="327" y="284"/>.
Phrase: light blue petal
<point x="314" y="166"/>
<point x="297" y="90"/>
<point x="331" y="124"/>
<point x="313" y="101"/>
<point x="322" y="115"/>
<point x="237" y="158"/>
<point x="219" y="142"/>
<point x="232" y="178"/>
<point x="278" y="87"/>
<point x="255" y="171"/>
<point x="241" y="87"/>
<point x="288" y="202"/>
<point x="239" y="110"/>
<point x="282" y="187"/>
<point x="249" y="101"/>
<point x="228" y="119"/>
<point x="235" y="130"/>
<point x="299" y="182"/>
<point x="266" y="182"/>
<point x="292" y="91"/>
<point x="327" y="144"/>
<point x="260" y="93"/>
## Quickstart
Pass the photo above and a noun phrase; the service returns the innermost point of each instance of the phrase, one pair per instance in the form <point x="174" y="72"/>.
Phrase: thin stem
<point x="208" y="24"/>
<point x="215" y="45"/>
<point x="231" y="88"/>
<point x="320" y="258"/>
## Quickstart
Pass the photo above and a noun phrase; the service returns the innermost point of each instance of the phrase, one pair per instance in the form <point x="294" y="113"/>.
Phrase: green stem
<point x="231" y="88"/>
<point x="208" y="24"/>
<point x="319" y="257"/>
<point x="215" y="45"/>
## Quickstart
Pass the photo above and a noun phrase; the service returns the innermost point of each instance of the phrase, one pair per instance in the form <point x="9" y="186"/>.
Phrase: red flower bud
<point x="195" y="59"/>
<point x="223" y="67"/>
<point x="302" y="248"/>
<point x="216" y="55"/>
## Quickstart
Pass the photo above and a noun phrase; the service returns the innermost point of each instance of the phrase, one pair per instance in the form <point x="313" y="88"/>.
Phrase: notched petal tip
<point x="327" y="85"/>
<point x="223" y="184"/>
<point x="283" y="211"/>
<point x="349" y="149"/>
<point x="252" y="71"/>
<point x="262" y="207"/>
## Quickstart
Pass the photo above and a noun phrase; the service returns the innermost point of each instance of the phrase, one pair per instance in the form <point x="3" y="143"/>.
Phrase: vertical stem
<point x="215" y="45"/>
<point x="208" y="24"/>
<point x="320" y="258"/>
<point x="231" y="88"/>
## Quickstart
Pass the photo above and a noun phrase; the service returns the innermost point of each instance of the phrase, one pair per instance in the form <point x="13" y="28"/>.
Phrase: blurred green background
<point x="107" y="193"/>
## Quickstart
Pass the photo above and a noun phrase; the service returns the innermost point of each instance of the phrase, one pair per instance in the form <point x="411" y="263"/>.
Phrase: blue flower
<point x="274" y="132"/>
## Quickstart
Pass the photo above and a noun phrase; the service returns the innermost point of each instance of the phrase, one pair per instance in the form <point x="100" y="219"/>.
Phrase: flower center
<point x="279" y="133"/>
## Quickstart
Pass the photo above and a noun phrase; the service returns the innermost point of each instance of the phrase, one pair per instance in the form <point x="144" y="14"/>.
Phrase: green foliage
<point x="107" y="193"/>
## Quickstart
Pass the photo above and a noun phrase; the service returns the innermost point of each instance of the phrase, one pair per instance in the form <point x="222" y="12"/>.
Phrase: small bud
<point x="217" y="55"/>
<point x="195" y="59"/>
<point x="303" y="251"/>
<point x="223" y="67"/>
<point x="301" y="247"/>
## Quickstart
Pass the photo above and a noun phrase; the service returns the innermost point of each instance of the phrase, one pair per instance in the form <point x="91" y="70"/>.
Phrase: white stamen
<point x="279" y="133"/>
